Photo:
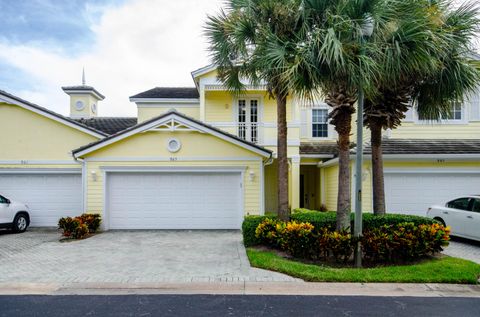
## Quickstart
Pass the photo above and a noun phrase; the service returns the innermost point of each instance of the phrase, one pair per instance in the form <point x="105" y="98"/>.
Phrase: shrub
<point x="92" y="221"/>
<point x="297" y="238"/>
<point x="317" y="219"/>
<point x="403" y="241"/>
<point x="268" y="232"/>
<point x="81" y="231"/>
<point x="249" y="225"/>
<point x="68" y="225"/>
<point x="79" y="227"/>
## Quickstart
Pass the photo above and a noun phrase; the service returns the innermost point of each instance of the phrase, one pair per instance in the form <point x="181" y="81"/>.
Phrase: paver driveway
<point x="129" y="257"/>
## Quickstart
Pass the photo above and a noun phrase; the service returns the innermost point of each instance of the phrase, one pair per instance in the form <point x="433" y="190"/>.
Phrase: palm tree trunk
<point x="344" y="193"/>
<point x="283" y="211"/>
<point x="377" y="169"/>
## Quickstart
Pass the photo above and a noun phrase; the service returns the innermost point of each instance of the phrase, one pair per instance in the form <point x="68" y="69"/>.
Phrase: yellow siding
<point x="30" y="136"/>
<point x="199" y="150"/>
<point x="271" y="188"/>
<point x="437" y="131"/>
<point x="146" y="113"/>
<point x="331" y="187"/>
<point x="219" y="106"/>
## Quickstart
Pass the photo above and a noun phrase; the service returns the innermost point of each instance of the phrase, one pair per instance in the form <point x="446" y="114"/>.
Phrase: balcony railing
<point x="248" y="131"/>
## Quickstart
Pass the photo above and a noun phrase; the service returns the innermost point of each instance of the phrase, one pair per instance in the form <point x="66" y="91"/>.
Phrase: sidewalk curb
<point x="244" y="288"/>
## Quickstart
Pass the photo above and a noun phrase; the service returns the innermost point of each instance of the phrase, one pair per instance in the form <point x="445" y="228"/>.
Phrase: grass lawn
<point x="441" y="270"/>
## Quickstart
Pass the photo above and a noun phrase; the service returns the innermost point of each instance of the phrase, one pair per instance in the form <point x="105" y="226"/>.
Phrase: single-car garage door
<point x="174" y="200"/>
<point x="413" y="193"/>
<point x="49" y="196"/>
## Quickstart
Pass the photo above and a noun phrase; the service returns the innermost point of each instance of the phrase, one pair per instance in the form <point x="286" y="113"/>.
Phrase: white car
<point x="461" y="214"/>
<point x="13" y="215"/>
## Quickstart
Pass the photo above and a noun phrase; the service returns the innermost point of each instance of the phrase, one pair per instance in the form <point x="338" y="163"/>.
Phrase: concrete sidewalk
<point x="244" y="288"/>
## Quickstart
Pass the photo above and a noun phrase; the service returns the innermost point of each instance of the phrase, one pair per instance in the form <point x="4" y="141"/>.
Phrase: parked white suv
<point x="461" y="214"/>
<point x="13" y="215"/>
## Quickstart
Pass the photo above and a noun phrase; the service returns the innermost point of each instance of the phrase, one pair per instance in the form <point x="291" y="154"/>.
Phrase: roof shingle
<point x="169" y="92"/>
<point x="429" y="146"/>
<point x="109" y="125"/>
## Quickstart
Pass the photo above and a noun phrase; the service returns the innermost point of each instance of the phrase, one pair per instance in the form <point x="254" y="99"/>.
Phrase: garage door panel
<point x="413" y="193"/>
<point x="174" y="200"/>
<point x="49" y="196"/>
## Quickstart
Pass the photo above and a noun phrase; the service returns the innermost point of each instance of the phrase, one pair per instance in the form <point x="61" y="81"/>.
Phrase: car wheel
<point x="440" y="220"/>
<point x="20" y="223"/>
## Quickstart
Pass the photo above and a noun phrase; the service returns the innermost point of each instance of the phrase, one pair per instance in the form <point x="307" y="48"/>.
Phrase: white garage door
<point x="49" y="196"/>
<point x="414" y="193"/>
<point x="180" y="200"/>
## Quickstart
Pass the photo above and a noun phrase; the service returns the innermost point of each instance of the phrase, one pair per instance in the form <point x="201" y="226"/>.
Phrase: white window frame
<point x="330" y="133"/>
<point x="463" y="120"/>
<point x="248" y="98"/>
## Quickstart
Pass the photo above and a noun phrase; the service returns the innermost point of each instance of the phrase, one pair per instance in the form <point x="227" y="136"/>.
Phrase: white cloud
<point x="139" y="45"/>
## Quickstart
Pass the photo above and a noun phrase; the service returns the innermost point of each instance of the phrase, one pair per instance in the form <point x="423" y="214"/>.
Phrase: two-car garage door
<point x="174" y="200"/>
<point x="412" y="193"/>
<point x="49" y="196"/>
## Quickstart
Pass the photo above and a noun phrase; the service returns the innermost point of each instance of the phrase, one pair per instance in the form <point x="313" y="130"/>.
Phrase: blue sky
<point x="126" y="46"/>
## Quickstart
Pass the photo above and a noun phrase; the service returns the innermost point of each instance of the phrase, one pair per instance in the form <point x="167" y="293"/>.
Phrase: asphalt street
<point x="235" y="305"/>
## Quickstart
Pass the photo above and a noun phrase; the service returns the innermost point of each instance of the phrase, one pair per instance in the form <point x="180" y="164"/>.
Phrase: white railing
<point x="248" y="131"/>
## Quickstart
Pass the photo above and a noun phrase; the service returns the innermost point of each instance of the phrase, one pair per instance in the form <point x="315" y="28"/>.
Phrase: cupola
<point x="83" y="100"/>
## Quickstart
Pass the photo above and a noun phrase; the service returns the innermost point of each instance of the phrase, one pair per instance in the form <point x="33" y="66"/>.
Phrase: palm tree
<point x="250" y="40"/>
<point x="432" y="42"/>
<point x="331" y="55"/>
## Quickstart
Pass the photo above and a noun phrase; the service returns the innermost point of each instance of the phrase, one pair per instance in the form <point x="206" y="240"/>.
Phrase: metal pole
<point x="357" y="233"/>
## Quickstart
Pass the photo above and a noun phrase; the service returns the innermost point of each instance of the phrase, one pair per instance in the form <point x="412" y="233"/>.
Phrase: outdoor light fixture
<point x="94" y="176"/>
<point x="367" y="31"/>
<point x="252" y="175"/>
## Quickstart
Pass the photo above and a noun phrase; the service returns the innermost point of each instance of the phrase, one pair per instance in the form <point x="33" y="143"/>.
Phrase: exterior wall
<point x="198" y="150"/>
<point x="331" y="187"/>
<point x="412" y="130"/>
<point x="88" y="100"/>
<point x="146" y="112"/>
<point x="30" y="137"/>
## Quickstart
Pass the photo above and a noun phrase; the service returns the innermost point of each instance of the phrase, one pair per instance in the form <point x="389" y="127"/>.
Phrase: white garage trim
<point x="40" y="171"/>
<point x="107" y="170"/>
<point x="169" y="159"/>
<point x="413" y="170"/>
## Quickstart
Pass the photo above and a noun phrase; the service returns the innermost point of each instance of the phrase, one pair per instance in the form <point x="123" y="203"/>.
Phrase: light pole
<point x="367" y="30"/>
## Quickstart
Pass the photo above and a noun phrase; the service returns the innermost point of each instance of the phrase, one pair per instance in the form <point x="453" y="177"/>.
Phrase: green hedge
<point x="328" y="220"/>
<point x="249" y="226"/>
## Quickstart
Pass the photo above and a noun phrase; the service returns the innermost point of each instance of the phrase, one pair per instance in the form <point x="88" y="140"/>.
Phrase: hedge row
<point x="403" y="241"/>
<point x="328" y="220"/>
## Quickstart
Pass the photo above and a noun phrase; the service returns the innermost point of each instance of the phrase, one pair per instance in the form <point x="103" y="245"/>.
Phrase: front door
<point x="248" y="119"/>
<point x="303" y="203"/>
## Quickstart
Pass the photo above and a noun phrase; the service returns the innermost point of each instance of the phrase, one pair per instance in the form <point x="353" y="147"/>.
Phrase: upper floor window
<point x="248" y="119"/>
<point x="319" y="123"/>
<point x="455" y="112"/>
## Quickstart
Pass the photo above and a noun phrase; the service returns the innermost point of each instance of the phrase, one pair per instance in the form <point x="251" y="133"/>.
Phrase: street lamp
<point x="367" y="30"/>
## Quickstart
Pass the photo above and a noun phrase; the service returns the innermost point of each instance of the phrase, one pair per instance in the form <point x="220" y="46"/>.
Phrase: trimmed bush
<point x="79" y="227"/>
<point x="405" y="241"/>
<point x="249" y="225"/>
<point x="92" y="221"/>
<point x="329" y="219"/>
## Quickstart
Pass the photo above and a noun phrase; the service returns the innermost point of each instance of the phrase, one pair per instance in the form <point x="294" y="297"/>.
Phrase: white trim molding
<point x="171" y="159"/>
<point x="431" y="170"/>
<point x="145" y="102"/>
<point x="38" y="162"/>
<point x="40" y="171"/>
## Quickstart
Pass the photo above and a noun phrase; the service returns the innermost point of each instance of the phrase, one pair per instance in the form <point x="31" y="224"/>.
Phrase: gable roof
<point x="11" y="99"/>
<point x="109" y="125"/>
<point x="181" y="118"/>
<point x="168" y="93"/>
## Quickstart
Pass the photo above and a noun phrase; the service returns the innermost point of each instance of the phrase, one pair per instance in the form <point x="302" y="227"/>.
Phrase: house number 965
<point x="173" y="158"/>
